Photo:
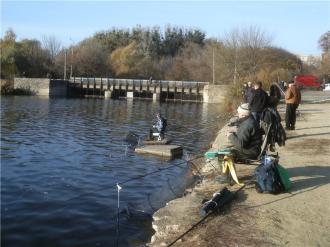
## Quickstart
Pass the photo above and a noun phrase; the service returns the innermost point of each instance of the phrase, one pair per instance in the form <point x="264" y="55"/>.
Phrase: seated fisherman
<point x="247" y="138"/>
<point x="159" y="128"/>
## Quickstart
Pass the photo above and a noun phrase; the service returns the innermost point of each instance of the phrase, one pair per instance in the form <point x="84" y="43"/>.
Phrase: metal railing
<point x="137" y="82"/>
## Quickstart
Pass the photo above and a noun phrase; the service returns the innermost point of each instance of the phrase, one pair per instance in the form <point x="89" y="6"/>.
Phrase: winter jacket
<point x="160" y="125"/>
<point x="292" y="95"/>
<point x="275" y="91"/>
<point x="248" y="92"/>
<point x="258" y="100"/>
<point x="248" y="138"/>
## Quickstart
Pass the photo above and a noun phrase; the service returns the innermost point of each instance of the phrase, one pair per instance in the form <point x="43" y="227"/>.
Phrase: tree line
<point x="175" y="53"/>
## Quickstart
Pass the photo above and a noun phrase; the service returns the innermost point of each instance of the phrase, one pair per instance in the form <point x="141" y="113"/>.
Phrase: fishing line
<point x="179" y="165"/>
<point x="193" y="131"/>
<point x="171" y="189"/>
<point x="118" y="207"/>
<point x="149" y="202"/>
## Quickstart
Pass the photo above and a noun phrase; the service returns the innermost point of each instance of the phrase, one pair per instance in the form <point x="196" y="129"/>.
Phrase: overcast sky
<point x="294" y="25"/>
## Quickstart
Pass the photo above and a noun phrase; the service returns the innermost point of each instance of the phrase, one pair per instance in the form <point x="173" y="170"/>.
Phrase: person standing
<point x="292" y="100"/>
<point x="248" y="91"/>
<point x="258" y="101"/>
<point x="274" y="95"/>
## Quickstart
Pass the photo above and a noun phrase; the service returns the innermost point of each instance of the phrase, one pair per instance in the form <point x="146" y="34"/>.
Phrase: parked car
<point x="308" y="81"/>
<point x="326" y="87"/>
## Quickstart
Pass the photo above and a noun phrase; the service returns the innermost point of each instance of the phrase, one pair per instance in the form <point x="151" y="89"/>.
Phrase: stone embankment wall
<point x="41" y="86"/>
<point x="180" y="214"/>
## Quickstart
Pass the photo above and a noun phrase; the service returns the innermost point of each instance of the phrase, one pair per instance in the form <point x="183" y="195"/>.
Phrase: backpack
<point x="267" y="177"/>
<point x="270" y="117"/>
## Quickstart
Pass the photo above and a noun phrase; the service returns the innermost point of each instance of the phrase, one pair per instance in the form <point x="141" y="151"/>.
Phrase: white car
<point x="326" y="87"/>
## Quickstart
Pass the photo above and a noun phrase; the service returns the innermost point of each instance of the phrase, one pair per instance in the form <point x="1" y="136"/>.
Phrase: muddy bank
<point x="298" y="218"/>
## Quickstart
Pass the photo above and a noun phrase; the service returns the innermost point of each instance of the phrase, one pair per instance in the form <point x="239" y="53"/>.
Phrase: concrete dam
<point x="158" y="90"/>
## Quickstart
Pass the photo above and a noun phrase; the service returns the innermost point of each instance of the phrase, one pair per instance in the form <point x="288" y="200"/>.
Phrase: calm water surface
<point x="61" y="160"/>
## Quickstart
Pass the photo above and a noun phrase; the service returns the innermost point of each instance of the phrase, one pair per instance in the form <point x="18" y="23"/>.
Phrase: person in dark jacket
<point x="248" y="90"/>
<point x="275" y="91"/>
<point x="274" y="95"/>
<point x="258" y="101"/>
<point x="247" y="139"/>
<point x="158" y="127"/>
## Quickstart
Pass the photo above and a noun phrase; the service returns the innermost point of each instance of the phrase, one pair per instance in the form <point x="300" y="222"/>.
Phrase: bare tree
<point x="253" y="41"/>
<point x="10" y="35"/>
<point x="90" y="59"/>
<point x="324" y="42"/>
<point x="52" y="45"/>
<point x="244" y="49"/>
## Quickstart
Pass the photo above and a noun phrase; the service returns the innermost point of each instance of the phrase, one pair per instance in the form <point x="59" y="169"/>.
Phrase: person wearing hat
<point x="247" y="139"/>
<point x="292" y="100"/>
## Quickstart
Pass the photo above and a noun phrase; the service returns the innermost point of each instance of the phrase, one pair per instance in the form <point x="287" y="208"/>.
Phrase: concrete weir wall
<point x="42" y="86"/>
<point x="58" y="88"/>
<point x="215" y="93"/>
<point x="114" y="88"/>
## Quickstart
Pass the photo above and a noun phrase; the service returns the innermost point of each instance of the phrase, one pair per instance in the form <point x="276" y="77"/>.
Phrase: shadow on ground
<point x="313" y="176"/>
<point x="305" y="135"/>
<point x="316" y="127"/>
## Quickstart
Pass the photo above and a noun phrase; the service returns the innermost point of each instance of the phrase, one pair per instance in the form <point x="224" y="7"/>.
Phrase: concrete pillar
<point x="130" y="95"/>
<point x="107" y="94"/>
<point x="206" y="94"/>
<point x="155" y="96"/>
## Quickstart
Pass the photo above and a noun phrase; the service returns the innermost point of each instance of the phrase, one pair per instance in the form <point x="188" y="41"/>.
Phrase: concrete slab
<point x="161" y="150"/>
<point x="155" y="142"/>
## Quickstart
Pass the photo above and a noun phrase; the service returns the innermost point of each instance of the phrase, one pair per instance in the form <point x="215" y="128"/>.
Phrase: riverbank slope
<point x="298" y="218"/>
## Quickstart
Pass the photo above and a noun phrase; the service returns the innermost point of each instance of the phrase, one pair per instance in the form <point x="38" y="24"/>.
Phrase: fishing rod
<point x="208" y="214"/>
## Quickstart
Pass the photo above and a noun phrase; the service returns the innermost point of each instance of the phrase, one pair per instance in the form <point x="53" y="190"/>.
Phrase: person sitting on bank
<point x="247" y="138"/>
<point x="159" y="128"/>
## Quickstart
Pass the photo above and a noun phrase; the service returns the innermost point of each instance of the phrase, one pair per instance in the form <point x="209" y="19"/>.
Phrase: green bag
<point x="212" y="155"/>
<point x="284" y="177"/>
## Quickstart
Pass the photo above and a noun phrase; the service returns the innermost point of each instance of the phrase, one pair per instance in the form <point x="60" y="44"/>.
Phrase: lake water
<point x="62" y="158"/>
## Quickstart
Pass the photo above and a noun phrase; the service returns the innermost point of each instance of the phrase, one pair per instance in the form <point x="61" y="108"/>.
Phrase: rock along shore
<point x="298" y="218"/>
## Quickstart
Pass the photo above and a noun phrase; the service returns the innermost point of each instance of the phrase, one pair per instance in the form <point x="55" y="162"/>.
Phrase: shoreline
<point x="297" y="218"/>
<point x="164" y="218"/>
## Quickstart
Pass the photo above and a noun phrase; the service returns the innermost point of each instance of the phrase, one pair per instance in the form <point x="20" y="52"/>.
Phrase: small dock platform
<point x="169" y="151"/>
<point x="155" y="142"/>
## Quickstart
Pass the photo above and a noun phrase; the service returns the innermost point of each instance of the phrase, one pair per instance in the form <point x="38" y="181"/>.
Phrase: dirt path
<point x="298" y="218"/>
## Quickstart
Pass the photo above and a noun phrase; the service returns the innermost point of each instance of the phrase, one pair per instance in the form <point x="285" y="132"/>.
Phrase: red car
<point x="308" y="81"/>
